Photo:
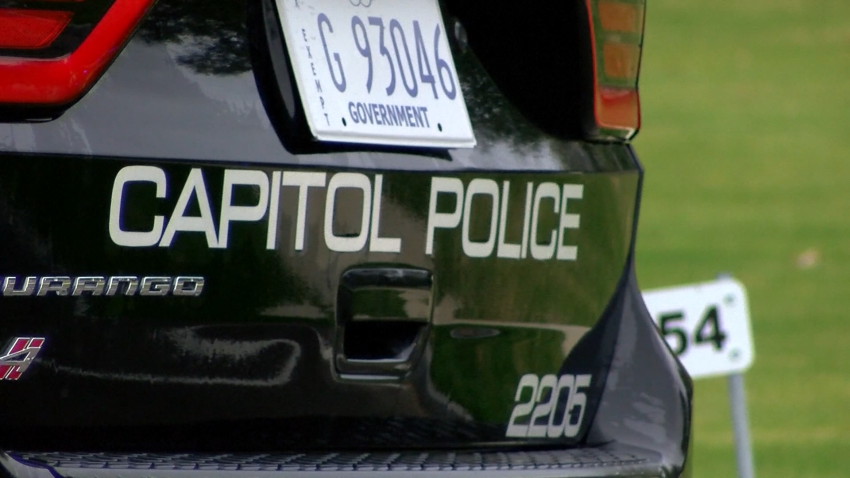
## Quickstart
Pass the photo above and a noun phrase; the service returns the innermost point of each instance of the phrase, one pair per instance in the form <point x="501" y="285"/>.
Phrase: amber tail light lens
<point x="616" y="29"/>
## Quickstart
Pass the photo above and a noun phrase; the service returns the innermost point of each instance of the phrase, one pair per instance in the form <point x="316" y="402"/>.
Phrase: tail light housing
<point x="616" y="34"/>
<point x="53" y="51"/>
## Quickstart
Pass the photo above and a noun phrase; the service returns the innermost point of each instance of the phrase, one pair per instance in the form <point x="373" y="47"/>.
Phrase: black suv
<point x="277" y="238"/>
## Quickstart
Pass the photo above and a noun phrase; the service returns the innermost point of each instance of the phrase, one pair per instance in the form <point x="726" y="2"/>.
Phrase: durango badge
<point x="146" y="286"/>
<point x="18" y="358"/>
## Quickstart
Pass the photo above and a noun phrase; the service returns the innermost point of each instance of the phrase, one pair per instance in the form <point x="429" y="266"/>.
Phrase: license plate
<point x="376" y="72"/>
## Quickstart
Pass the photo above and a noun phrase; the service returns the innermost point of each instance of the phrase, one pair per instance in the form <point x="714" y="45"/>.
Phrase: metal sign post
<point x="707" y="325"/>
<point x="740" y="429"/>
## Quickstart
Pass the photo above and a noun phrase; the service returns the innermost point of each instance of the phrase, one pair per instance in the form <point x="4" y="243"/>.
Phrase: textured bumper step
<point x="586" y="462"/>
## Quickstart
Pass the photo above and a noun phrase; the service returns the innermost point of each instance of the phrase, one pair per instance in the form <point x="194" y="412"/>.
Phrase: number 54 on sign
<point x="706" y="325"/>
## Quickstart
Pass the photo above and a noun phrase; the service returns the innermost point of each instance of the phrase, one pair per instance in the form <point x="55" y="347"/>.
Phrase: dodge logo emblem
<point x="18" y="358"/>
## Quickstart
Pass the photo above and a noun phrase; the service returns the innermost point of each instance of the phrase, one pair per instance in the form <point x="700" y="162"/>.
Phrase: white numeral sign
<point x="706" y="325"/>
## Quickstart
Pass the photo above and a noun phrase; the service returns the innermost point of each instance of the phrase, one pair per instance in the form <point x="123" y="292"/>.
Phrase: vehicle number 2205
<point x="548" y="406"/>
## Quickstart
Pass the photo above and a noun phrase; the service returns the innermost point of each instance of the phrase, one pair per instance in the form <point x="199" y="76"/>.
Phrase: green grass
<point x="746" y="110"/>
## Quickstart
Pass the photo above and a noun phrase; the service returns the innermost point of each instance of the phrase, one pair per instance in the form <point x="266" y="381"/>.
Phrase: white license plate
<point x="376" y="72"/>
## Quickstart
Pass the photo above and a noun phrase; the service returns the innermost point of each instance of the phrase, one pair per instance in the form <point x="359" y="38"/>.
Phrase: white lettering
<point x="486" y="187"/>
<point x="229" y="212"/>
<point x="180" y="222"/>
<point x="547" y="250"/>
<point x="274" y="204"/>
<point x="264" y="205"/>
<point x="526" y="219"/>
<point x="304" y="181"/>
<point x="135" y="174"/>
<point x="568" y="221"/>
<point x="377" y="243"/>
<point x="346" y="243"/>
<point x="443" y="220"/>
<point x="506" y="249"/>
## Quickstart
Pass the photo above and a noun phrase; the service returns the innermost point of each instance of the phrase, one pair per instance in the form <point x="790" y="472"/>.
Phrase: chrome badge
<point x="18" y="358"/>
<point x="151" y="286"/>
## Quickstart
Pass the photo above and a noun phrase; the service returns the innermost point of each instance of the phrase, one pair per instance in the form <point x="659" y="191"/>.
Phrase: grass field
<point x="746" y="108"/>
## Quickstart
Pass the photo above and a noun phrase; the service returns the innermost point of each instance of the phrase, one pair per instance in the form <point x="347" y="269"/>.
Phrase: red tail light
<point x="52" y="55"/>
<point x="30" y="29"/>
<point x="616" y="29"/>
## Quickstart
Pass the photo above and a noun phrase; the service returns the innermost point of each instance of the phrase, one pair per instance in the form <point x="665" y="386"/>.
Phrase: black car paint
<point x="113" y="375"/>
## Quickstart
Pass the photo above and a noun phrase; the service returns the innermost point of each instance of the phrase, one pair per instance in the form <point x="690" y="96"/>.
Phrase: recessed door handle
<point x="383" y="318"/>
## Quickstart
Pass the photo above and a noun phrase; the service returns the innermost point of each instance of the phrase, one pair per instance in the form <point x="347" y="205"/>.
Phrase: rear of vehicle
<point x="312" y="237"/>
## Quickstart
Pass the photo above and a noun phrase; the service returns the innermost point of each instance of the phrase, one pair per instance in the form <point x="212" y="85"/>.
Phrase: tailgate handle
<point x="383" y="317"/>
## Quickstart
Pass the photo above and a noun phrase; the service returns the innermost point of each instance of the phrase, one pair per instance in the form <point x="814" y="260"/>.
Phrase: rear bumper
<point x="610" y="460"/>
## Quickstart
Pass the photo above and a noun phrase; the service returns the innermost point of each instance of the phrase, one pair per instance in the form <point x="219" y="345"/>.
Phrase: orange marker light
<point x="616" y="29"/>
<point x="620" y="17"/>
<point x="621" y="61"/>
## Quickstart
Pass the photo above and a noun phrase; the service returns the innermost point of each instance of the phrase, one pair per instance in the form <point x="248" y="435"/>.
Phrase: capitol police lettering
<point x="192" y="212"/>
